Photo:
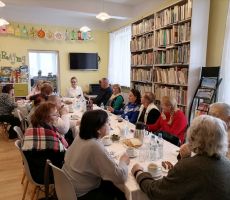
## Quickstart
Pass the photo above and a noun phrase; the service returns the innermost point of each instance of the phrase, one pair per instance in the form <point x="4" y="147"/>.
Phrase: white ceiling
<point x="75" y="13"/>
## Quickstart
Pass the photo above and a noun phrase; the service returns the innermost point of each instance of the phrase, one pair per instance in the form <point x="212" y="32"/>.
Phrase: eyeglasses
<point x="54" y="115"/>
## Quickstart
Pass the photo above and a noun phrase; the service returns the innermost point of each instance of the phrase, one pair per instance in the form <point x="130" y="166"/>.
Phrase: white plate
<point x="134" y="155"/>
<point x="107" y="144"/>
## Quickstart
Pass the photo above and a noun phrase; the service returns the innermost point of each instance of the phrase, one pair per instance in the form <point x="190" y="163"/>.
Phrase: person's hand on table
<point x="125" y="158"/>
<point x="185" y="151"/>
<point x="137" y="167"/>
<point x="109" y="108"/>
<point x="78" y="122"/>
<point x="63" y="110"/>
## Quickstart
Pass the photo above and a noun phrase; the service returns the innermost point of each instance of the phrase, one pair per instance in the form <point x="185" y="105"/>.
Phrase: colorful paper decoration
<point x="44" y="34"/>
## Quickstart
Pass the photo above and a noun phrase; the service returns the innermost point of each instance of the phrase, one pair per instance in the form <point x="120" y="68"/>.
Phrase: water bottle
<point x="125" y="130"/>
<point x="102" y="106"/>
<point x="153" y="149"/>
<point x="83" y="106"/>
<point x="160" y="145"/>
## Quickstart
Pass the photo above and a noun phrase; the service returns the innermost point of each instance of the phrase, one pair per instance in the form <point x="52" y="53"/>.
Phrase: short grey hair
<point x="207" y="135"/>
<point x="220" y="110"/>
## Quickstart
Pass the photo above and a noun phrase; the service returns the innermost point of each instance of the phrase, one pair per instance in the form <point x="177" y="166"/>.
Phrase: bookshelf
<point x="168" y="49"/>
<point x="18" y="76"/>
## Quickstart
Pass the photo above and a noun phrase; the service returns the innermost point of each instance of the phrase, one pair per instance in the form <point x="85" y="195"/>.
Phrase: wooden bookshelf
<point x="167" y="50"/>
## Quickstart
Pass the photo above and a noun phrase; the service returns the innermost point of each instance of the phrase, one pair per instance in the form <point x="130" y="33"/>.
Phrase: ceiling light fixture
<point x="103" y="16"/>
<point x="2" y="4"/>
<point x="3" y="22"/>
<point x="85" y="29"/>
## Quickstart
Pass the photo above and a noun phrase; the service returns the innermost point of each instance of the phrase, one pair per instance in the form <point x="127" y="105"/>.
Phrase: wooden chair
<point x="63" y="186"/>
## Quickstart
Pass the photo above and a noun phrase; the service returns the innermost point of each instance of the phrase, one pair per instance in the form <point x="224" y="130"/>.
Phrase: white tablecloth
<point x="131" y="188"/>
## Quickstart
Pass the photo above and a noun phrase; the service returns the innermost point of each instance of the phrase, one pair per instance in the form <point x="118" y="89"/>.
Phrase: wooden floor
<point x="11" y="171"/>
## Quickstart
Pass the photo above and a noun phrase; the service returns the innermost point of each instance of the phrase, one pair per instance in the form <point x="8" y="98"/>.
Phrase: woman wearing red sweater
<point x="172" y="119"/>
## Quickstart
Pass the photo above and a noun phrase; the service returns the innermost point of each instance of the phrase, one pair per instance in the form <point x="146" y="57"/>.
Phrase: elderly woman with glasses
<point x="203" y="176"/>
<point x="42" y="141"/>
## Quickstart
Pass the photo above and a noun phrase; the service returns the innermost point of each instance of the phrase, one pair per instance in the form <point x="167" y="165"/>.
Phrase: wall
<point x="216" y="31"/>
<point x="100" y="44"/>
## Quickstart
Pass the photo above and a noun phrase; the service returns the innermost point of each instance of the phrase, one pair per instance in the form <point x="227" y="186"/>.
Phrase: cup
<point x="106" y="140"/>
<point x="154" y="170"/>
<point x="130" y="151"/>
<point x="119" y="118"/>
<point x="71" y="108"/>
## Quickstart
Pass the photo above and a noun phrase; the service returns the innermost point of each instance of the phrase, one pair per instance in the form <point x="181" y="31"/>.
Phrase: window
<point x="224" y="94"/>
<point x="119" y="57"/>
<point x="44" y="66"/>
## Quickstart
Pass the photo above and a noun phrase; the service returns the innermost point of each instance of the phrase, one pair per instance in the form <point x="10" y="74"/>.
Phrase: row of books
<point x="180" y="54"/>
<point x="172" y="75"/>
<point x="142" y="88"/>
<point x="170" y="36"/>
<point x="142" y="75"/>
<point x="144" y="26"/>
<point x="179" y="93"/>
<point x="145" y="58"/>
<point x="141" y="43"/>
<point x="174" y="14"/>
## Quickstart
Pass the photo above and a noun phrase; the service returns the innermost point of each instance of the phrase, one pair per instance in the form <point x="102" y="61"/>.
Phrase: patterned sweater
<point x="7" y="104"/>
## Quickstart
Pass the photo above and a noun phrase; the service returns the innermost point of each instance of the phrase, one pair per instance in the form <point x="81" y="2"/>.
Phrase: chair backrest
<point x="18" y="145"/>
<point x="19" y="132"/>
<point x="63" y="186"/>
<point x="23" y="120"/>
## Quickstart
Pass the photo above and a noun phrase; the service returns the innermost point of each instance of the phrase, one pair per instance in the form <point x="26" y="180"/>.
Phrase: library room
<point x="114" y="99"/>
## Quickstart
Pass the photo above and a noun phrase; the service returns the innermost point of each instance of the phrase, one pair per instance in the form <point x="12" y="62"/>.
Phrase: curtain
<point x="119" y="56"/>
<point x="224" y="92"/>
<point x="46" y="62"/>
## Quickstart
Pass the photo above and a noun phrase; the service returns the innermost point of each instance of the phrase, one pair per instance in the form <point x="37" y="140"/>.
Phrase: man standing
<point x="104" y="93"/>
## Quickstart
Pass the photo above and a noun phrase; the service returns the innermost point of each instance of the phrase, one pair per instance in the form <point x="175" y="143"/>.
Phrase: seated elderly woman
<point x="36" y="89"/>
<point x="132" y="108"/>
<point x="7" y="105"/>
<point x="46" y="90"/>
<point x="42" y="141"/>
<point x="172" y="120"/>
<point x="116" y="100"/>
<point x="203" y="176"/>
<point x="149" y="113"/>
<point x="222" y="111"/>
<point x="89" y="166"/>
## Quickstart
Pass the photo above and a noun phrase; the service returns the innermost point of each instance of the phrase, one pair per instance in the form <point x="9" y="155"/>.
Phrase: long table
<point x="131" y="188"/>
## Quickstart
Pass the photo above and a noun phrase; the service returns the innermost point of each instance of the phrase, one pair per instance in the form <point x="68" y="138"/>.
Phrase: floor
<point x="11" y="171"/>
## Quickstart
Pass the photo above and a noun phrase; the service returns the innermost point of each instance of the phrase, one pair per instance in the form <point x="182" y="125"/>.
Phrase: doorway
<point x="44" y="65"/>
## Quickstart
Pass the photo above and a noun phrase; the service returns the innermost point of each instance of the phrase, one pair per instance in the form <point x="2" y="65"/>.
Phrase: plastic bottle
<point x="125" y="130"/>
<point x="102" y="106"/>
<point x="153" y="149"/>
<point x="160" y="145"/>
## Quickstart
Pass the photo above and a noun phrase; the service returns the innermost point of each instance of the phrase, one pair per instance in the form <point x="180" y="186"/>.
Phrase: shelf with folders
<point x="180" y="93"/>
<point x="167" y="50"/>
<point x="142" y="87"/>
<point x="178" y="12"/>
<point x="177" y="76"/>
<point x="142" y="75"/>
<point x="143" y="26"/>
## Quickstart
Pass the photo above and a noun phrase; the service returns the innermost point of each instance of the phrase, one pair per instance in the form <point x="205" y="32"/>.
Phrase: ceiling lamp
<point x="2" y="4"/>
<point x="85" y="29"/>
<point x="103" y="15"/>
<point x="3" y="22"/>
